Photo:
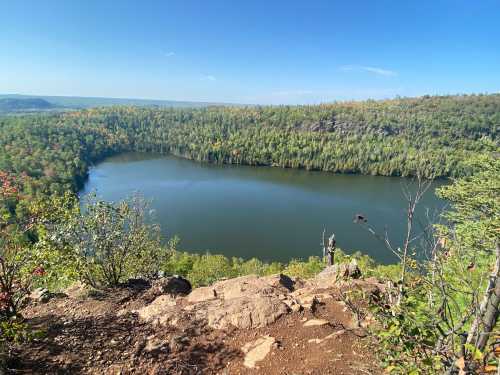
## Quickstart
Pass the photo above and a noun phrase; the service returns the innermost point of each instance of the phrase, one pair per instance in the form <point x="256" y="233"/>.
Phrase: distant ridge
<point x="79" y="102"/>
<point x="24" y="104"/>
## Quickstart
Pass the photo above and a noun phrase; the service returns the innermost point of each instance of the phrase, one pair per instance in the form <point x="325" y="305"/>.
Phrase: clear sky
<point x="249" y="51"/>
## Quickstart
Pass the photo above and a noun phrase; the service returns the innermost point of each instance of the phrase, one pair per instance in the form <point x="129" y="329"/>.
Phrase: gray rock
<point x="162" y="310"/>
<point x="250" y="311"/>
<point x="41" y="295"/>
<point x="344" y="270"/>
<point x="257" y="350"/>
<point x="174" y="286"/>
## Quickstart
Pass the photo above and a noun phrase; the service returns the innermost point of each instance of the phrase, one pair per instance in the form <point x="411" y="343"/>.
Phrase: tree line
<point x="433" y="135"/>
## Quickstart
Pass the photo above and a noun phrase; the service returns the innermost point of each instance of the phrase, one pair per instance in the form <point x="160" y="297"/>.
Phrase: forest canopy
<point x="433" y="136"/>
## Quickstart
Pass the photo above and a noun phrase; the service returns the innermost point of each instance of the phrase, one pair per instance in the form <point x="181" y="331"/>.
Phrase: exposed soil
<point x="98" y="334"/>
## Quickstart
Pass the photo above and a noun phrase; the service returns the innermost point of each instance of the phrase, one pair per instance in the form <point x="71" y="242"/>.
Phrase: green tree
<point x="111" y="243"/>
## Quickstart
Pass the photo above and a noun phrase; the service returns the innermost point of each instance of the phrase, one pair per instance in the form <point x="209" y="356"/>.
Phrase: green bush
<point x="110" y="243"/>
<point x="304" y="270"/>
<point x="210" y="268"/>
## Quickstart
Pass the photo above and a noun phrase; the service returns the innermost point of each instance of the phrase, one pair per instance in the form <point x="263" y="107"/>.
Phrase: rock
<point x="202" y="294"/>
<point x="252" y="284"/>
<point x="280" y="281"/>
<point x="330" y="336"/>
<point x="335" y="334"/>
<point x="40" y="295"/>
<point x="331" y="274"/>
<point x="257" y="350"/>
<point x="254" y="311"/>
<point x="174" y="286"/>
<point x="244" y="302"/>
<point x="161" y="310"/>
<point x="371" y="286"/>
<point x="316" y="322"/>
<point x="309" y="297"/>
<point x="315" y="341"/>
<point x="292" y="304"/>
<point x="155" y="345"/>
<point x="178" y="342"/>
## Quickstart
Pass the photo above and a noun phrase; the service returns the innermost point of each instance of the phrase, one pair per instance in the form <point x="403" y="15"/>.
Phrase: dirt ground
<point x="88" y="335"/>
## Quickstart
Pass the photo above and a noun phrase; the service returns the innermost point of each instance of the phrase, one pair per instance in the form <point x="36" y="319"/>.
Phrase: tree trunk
<point x="329" y="248"/>
<point x="330" y="259"/>
<point x="488" y="312"/>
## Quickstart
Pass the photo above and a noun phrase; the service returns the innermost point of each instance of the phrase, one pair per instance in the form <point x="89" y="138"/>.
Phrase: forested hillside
<point x="432" y="135"/>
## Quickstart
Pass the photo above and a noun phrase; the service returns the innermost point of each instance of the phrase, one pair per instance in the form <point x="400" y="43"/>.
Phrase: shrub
<point x="304" y="270"/>
<point x="209" y="268"/>
<point x="110" y="243"/>
<point x="17" y="272"/>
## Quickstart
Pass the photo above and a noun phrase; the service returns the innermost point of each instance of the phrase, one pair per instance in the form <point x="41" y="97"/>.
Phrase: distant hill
<point x="76" y="102"/>
<point x="24" y="104"/>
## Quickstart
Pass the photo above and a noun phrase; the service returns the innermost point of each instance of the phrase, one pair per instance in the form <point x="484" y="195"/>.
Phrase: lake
<point x="268" y="213"/>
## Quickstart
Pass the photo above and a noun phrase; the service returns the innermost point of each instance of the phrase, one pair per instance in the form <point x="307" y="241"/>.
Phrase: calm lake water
<point x="268" y="213"/>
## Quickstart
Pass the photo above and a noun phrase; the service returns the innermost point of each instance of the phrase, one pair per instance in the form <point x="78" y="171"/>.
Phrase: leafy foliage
<point x="431" y="329"/>
<point x="17" y="271"/>
<point x="111" y="243"/>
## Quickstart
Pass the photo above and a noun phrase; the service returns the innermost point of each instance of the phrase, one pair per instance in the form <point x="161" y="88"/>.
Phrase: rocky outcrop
<point x="245" y="302"/>
<point x="226" y="328"/>
<point x="243" y="286"/>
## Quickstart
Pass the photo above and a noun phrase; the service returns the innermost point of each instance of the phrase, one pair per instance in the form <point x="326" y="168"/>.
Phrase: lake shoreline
<point x="273" y="214"/>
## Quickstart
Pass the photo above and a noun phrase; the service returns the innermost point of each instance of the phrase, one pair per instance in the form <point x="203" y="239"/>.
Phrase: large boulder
<point x="251" y="285"/>
<point x="202" y="294"/>
<point x="243" y="286"/>
<point x="162" y="310"/>
<point x="244" y="312"/>
<point x="243" y="302"/>
<point x="173" y="286"/>
<point x="332" y="274"/>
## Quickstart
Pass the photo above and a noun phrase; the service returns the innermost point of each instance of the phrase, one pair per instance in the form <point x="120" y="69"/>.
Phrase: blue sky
<point x="249" y="51"/>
